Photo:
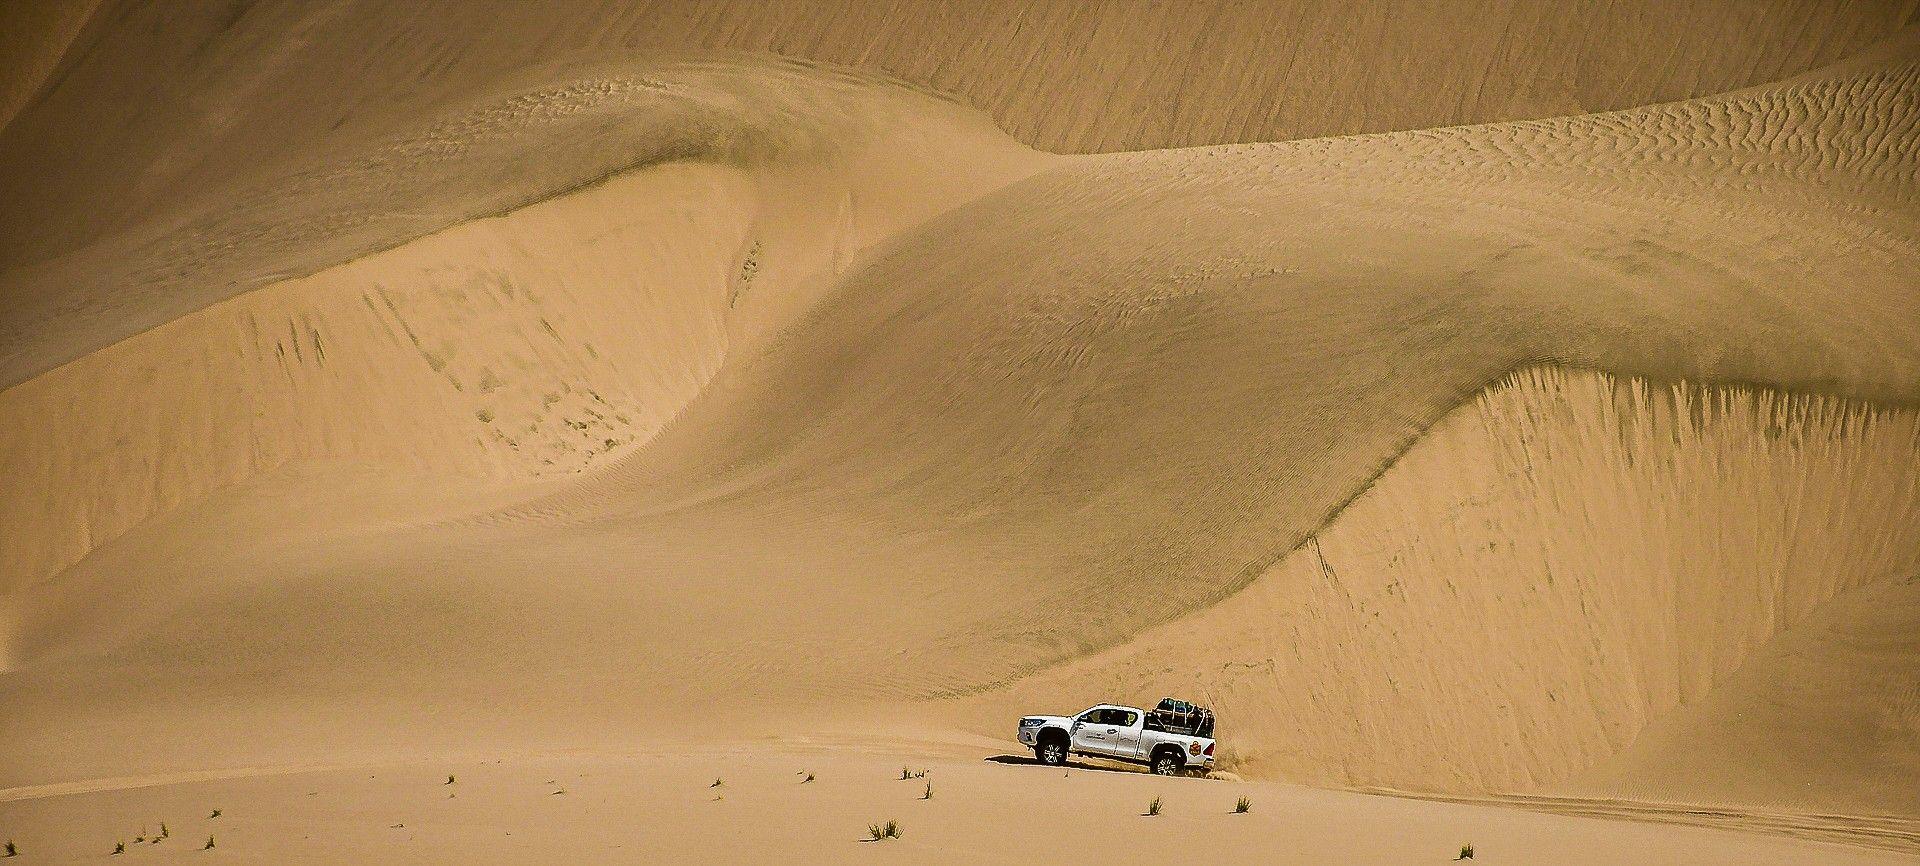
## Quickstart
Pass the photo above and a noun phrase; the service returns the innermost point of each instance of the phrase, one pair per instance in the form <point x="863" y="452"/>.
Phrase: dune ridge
<point x="265" y="117"/>
<point x="512" y="142"/>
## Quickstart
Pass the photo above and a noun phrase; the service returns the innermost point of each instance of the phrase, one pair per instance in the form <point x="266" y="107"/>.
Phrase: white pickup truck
<point x="1173" y="738"/>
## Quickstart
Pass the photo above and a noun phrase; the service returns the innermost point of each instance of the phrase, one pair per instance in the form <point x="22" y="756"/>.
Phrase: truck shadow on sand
<point x="1071" y="764"/>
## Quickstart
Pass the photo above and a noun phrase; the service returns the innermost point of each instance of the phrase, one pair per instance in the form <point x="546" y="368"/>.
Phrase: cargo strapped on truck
<point x="1181" y="717"/>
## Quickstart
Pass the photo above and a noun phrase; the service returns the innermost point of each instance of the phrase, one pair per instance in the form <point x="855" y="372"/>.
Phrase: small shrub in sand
<point x="119" y="847"/>
<point x="164" y="833"/>
<point x="1153" y="808"/>
<point x="929" y="792"/>
<point x="889" y="830"/>
<point x="716" y="783"/>
<point x="209" y="845"/>
<point x="11" y="850"/>
<point x="1243" y="807"/>
<point x="1466" y="853"/>
<point x="216" y="814"/>
<point x="809" y="778"/>
<point x="449" y="780"/>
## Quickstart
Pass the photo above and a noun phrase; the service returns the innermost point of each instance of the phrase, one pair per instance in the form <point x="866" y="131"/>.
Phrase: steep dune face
<point x="34" y="37"/>
<point x="1825" y="715"/>
<point x="1556" y="565"/>
<point x="1037" y="408"/>
<point x="467" y="366"/>
<point x="188" y="152"/>
<point x="540" y="342"/>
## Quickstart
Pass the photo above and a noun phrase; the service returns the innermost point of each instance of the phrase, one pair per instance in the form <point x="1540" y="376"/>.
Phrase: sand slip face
<point x="533" y="344"/>
<point x="1556" y="565"/>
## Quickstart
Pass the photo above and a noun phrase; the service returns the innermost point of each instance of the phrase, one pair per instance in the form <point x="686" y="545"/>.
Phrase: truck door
<point x="1094" y="730"/>
<point x="1125" y="741"/>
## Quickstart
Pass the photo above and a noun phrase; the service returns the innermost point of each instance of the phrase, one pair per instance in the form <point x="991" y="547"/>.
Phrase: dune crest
<point x="285" y="137"/>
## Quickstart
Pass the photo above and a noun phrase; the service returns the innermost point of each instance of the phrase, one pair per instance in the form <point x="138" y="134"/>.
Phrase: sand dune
<point x="1571" y="457"/>
<point x="1424" y="639"/>
<point x="183" y="153"/>
<point x="530" y="344"/>
<point x="33" y="39"/>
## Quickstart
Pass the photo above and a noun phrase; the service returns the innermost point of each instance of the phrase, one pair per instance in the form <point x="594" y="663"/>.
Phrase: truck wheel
<point x="1051" y="751"/>
<point x="1167" y="764"/>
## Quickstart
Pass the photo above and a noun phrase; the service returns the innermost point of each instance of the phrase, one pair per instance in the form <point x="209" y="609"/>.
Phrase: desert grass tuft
<point x="12" y="851"/>
<point x="928" y="795"/>
<point x="1153" y="808"/>
<point x="809" y="778"/>
<point x="216" y="814"/>
<point x="209" y="845"/>
<point x="449" y="780"/>
<point x="889" y="830"/>
<point x="1243" y="807"/>
<point x="1466" y="852"/>
<point x="119" y="847"/>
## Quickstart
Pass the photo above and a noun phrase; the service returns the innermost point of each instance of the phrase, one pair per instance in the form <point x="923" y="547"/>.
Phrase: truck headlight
<point x="1030" y="723"/>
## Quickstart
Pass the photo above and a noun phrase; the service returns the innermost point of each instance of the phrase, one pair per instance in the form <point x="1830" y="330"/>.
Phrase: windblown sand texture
<point x="403" y="385"/>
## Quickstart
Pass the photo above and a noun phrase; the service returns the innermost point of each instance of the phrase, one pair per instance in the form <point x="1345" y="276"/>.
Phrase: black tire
<point x="1051" y="751"/>
<point x="1167" y="763"/>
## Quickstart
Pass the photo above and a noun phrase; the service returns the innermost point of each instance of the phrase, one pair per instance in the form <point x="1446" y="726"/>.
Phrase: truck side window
<point x="1127" y="718"/>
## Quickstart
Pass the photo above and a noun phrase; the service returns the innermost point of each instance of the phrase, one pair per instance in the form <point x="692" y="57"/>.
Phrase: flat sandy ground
<point x="990" y="804"/>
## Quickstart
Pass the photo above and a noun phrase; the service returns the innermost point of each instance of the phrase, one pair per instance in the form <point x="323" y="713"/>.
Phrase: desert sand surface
<point x="664" y="807"/>
<point x="395" y="394"/>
